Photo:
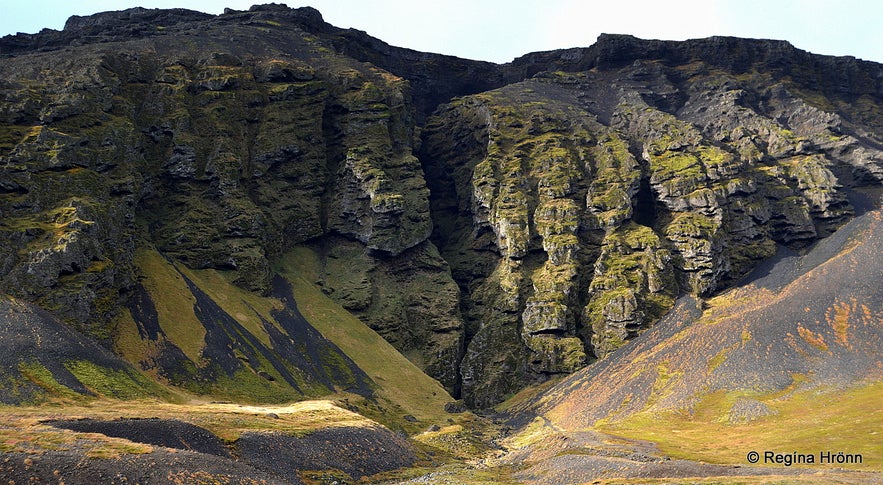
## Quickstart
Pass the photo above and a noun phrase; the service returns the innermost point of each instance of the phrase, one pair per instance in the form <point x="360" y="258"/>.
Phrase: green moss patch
<point x="114" y="383"/>
<point x="37" y="373"/>
<point x="401" y="382"/>
<point x="808" y="421"/>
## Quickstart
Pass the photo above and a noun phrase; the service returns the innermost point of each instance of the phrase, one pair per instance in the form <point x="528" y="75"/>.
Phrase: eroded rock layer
<point x="574" y="207"/>
<point x="498" y="224"/>
<point x="221" y="142"/>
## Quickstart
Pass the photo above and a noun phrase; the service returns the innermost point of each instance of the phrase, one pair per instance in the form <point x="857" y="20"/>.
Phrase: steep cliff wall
<point x="574" y="207"/>
<point x="222" y="143"/>
<point x="549" y="210"/>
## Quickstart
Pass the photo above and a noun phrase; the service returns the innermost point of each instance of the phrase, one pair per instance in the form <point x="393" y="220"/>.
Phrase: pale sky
<point x="500" y="30"/>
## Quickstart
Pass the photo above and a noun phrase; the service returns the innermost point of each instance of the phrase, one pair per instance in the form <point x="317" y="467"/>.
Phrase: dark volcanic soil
<point x="162" y="466"/>
<point x="185" y="453"/>
<point x="169" y="433"/>
<point x="357" y="452"/>
<point x="30" y="335"/>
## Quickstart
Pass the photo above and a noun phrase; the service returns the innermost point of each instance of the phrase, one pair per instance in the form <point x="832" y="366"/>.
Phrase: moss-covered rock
<point x="409" y="299"/>
<point x="576" y="206"/>
<point x="220" y="159"/>
<point x="633" y="286"/>
<point x="550" y="213"/>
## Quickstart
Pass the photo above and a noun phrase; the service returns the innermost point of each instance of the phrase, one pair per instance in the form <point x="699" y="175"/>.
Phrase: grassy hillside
<point x="202" y="337"/>
<point x="331" y="353"/>
<point x="787" y="363"/>
<point x="197" y="331"/>
<point x="290" y="347"/>
<point x="400" y="381"/>
<point x="44" y="361"/>
<point x="848" y="421"/>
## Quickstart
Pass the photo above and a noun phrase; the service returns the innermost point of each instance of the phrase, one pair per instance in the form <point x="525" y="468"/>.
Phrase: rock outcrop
<point x="575" y="207"/>
<point x="801" y="323"/>
<point x="497" y="223"/>
<point x="211" y="140"/>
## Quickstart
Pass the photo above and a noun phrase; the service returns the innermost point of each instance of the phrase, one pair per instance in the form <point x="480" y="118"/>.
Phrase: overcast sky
<point x="500" y="30"/>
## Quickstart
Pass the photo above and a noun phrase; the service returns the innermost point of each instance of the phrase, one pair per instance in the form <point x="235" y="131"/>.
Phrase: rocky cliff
<point x="497" y="224"/>
<point x="798" y="322"/>
<point x="222" y="142"/>
<point x="574" y="207"/>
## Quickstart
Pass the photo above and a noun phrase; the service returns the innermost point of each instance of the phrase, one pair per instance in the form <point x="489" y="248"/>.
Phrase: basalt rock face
<point x="221" y="142"/>
<point x="497" y="223"/>
<point x="574" y="207"/>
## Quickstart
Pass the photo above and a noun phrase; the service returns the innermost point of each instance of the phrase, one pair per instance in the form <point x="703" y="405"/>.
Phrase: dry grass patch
<point x="807" y="422"/>
<point x="27" y="434"/>
<point x="22" y="427"/>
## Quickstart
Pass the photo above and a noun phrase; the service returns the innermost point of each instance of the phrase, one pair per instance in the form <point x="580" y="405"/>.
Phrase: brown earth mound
<point x="356" y="451"/>
<point x="162" y="466"/>
<point x="184" y="453"/>
<point x="168" y="433"/>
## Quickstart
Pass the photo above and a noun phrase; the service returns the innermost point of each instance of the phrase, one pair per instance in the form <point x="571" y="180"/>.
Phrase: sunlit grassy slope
<point x="806" y="422"/>
<point x="788" y="362"/>
<point x="400" y="387"/>
<point x="401" y="382"/>
<point x="22" y="427"/>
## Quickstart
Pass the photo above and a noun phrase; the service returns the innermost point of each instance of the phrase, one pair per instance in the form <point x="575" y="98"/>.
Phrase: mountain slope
<point x="575" y="207"/>
<point x="260" y="207"/>
<point x="788" y="360"/>
<point x="198" y="333"/>
<point x="220" y="141"/>
<point x="811" y="321"/>
<point x="43" y="359"/>
<point x="497" y="224"/>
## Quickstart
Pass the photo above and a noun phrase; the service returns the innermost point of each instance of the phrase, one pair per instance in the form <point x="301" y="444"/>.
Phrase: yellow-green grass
<point x="174" y="305"/>
<point x="805" y="422"/>
<point x="456" y="472"/>
<point x="469" y="437"/>
<point x="128" y="342"/>
<point x="228" y="420"/>
<point x="102" y="382"/>
<point x="173" y="301"/>
<point x="123" y="384"/>
<point x="245" y="306"/>
<point x="38" y="374"/>
<point x="401" y="382"/>
<point x="445" y="451"/>
<point x="454" y="440"/>
<point x="403" y="387"/>
<point x="22" y="428"/>
<point x="828" y="478"/>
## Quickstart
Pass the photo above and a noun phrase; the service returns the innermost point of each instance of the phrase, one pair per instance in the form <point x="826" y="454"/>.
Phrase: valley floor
<point x="151" y="442"/>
